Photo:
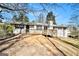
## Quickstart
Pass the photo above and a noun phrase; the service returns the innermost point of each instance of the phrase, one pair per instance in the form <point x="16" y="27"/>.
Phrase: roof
<point x="59" y="26"/>
<point x="37" y="24"/>
<point x="44" y="24"/>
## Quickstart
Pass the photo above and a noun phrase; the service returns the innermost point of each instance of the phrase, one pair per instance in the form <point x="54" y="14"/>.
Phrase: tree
<point x="41" y="18"/>
<point x="50" y="16"/>
<point x="22" y="17"/>
<point x="74" y="18"/>
<point x="1" y="17"/>
<point x="9" y="29"/>
<point x="14" y="8"/>
<point x="27" y="8"/>
<point x="2" y="33"/>
<point x="26" y="19"/>
<point x="15" y="18"/>
<point x="74" y="22"/>
<point x="33" y="21"/>
<point x="0" y="21"/>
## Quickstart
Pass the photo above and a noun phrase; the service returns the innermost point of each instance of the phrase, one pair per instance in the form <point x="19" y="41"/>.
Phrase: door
<point x="27" y="28"/>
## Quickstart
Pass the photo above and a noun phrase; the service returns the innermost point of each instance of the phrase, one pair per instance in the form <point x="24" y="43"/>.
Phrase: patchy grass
<point x="71" y="41"/>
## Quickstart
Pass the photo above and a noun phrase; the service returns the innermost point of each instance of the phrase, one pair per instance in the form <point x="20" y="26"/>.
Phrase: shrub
<point x="2" y="32"/>
<point x="9" y="29"/>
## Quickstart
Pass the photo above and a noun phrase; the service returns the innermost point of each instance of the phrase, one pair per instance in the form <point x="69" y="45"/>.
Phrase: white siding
<point x="34" y="30"/>
<point x="16" y="31"/>
<point x="67" y="32"/>
<point x="50" y="23"/>
<point x="60" y="32"/>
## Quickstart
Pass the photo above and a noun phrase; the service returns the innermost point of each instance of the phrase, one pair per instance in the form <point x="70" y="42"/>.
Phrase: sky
<point x="62" y="14"/>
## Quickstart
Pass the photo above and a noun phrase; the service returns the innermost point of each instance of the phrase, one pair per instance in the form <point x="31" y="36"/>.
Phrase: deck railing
<point x="44" y="32"/>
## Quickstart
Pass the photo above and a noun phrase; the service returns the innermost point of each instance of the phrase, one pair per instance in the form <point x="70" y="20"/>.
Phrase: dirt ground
<point x="39" y="45"/>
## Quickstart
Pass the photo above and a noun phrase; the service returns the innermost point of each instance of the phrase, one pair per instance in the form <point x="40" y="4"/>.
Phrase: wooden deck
<point x="40" y="45"/>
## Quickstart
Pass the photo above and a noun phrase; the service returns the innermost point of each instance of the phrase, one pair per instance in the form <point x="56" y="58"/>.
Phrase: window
<point x="45" y="27"/>
<point x="31" y="26"/>
<point x="39" y="27"/>
<point x="19" y="26"/>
